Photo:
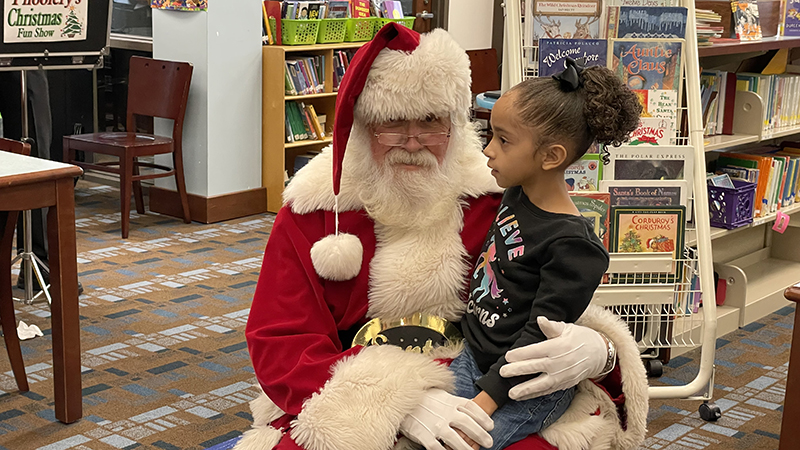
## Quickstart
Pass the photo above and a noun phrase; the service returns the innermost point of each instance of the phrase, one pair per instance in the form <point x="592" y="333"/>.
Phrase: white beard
<point x="408" y="199"/>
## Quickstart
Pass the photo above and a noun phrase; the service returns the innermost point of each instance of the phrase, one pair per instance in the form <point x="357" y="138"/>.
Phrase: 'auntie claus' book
<point x="647" y="64"/>
<point x="553" y="53"/>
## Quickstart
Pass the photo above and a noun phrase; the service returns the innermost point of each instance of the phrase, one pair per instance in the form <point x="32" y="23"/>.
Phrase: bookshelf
<point x="278" y="156"/>
<point x="756" y="262"/>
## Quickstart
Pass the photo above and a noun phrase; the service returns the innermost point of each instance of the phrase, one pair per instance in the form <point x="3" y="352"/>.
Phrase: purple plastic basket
<point x="731" y="208"/>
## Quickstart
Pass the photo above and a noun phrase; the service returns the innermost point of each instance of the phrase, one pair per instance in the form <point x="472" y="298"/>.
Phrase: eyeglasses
<point x="426" y="139"/>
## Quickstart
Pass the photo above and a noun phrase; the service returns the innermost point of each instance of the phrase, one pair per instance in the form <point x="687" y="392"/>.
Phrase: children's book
<point x="646" y="22"/>
<point x="566" y="19"/>
<point x="337" y="9"/>
<point x="650" y="64"/>
<point x="791" y="20"/>
<point x="553" y="53"/>
<point x="594" y="206"/>
<point x="745" y="19"/>
<point x="644" y="2"/>
<point x="646" y="193"/>
<point x="274" y="18"/>
<point x="359" y="8"/>
<point x="636" y="229"/>
<point x="584" y="174"/>
<point x="675" y="162"/>
<point x="657" y="124"/>
<point x="392" y="9"/>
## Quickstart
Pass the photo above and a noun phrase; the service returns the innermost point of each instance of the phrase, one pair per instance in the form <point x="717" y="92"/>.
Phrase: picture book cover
<point x="644" y="2"/>
<point x="626" y="162"/>
<point x="651" y="64"/>
<point x="791" y="20"/>
<point x="745" y="19"/>
<point x="646" y="22"/>
<point x="658" y="102"/>
<point x="392" y="9"/>
<point x="337" y="9"/>
<point x="359" y="8"/>
<point x="594" y="206"/>
<point x="553" y="53"/>
<point x="654" y="131"/>
<point x="566" y="19"/>
<point x="565" y="27"/>
<point x="584" y="174"/>
<point x="652" y="229"/>
<point x="644" y="193"/>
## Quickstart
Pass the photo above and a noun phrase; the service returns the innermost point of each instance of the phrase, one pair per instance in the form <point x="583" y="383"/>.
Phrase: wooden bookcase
<point x="278" y="156"/>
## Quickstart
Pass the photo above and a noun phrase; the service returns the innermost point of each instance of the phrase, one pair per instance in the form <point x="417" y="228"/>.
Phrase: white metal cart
<point x="662" y="310"/>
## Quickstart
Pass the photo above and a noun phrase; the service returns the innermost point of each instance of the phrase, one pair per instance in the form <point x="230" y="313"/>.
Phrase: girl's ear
<point x="553" y="156"/>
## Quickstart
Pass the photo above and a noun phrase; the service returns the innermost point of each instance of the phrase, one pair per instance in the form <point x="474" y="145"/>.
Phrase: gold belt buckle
<point x="418" y="333"/>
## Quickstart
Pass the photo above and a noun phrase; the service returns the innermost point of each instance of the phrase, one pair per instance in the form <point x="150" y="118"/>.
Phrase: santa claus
<point x="392" y="234"/>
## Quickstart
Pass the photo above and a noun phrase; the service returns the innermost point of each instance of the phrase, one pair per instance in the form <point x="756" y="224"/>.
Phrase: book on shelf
<point x="657" y="123"/>
<point x="647" y="64"/>
<point x="392" y="9"/>
<point x="273" y="11"/>
<point x="594" y="206"/>
<point x="568" y="19"/>
<point x="715" y="13"/>
<point x="646" y="193"/>
<point x="745" y="19"/>
<point x="646" y="22"/>
<point x="302" y="122"/>
<point x="652" y="229"/>
<point x="553" y="53"/>
<point x="584" y="174"/>
<point x="338" y="9"/>
<point x="359" y="9"/>
<point x="305" y="75"/>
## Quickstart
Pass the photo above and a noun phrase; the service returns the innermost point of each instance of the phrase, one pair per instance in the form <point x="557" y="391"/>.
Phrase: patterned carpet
<point x="166" y="366"/>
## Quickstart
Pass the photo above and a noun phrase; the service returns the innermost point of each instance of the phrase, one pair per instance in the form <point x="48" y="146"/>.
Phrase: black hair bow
<point x="570" y="78"/>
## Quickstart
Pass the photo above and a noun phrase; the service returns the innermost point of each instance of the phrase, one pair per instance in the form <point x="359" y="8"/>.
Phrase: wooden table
<point x="30" y="183"/>
<point x="790" y="432"/>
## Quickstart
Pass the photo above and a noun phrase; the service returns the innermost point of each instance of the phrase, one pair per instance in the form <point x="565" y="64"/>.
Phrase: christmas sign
<point x="28" y="21"/>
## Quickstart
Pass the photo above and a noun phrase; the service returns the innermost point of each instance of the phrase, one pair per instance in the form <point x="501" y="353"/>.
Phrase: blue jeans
<point x="515" y="420"/>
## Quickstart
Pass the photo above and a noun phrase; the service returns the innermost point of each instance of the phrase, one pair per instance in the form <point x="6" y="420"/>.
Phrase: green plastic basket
<point x="332" y="31"/>
<point x="359" y="30"/>
<point x="299" y="31"/>
<point x="380" y="22"/>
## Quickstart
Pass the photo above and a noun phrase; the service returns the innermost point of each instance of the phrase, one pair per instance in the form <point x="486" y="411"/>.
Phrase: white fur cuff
<point x="337" y="257"/>
<point x="368" y="396"/>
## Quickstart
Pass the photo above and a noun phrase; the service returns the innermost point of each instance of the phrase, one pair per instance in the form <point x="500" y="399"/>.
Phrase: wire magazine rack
<point x="656" y="294"/>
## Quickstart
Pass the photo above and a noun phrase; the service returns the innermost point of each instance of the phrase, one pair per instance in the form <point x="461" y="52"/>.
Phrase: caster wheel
<point x="654" y="368"/>
<point x="710" y="412"/>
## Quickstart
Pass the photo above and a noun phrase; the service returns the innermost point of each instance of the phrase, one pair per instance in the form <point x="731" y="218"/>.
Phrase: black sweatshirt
<point x="539" y="264"/>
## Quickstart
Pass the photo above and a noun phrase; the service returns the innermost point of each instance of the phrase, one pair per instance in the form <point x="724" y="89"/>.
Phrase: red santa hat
<point x="400" y="74"/>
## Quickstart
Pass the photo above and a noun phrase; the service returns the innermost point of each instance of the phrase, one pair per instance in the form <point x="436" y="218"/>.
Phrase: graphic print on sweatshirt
<point x="485" y="268"/>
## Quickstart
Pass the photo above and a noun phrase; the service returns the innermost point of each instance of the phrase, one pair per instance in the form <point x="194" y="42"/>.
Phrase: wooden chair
<point x="8" y="322"/>
<point x="156" y="89"/>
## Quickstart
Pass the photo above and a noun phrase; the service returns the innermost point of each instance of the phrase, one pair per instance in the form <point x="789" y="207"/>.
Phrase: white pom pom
<point x="337" y="258"/>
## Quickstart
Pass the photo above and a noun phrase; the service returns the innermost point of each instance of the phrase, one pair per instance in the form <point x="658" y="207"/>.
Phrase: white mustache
<point x="421" y="158"/>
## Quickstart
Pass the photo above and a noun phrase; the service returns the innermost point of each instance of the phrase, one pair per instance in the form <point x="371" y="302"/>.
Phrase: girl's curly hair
<point x="602" y="109"/>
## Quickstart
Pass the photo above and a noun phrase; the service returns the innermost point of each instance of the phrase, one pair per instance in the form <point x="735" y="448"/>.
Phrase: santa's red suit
<point x="322" y="395"/>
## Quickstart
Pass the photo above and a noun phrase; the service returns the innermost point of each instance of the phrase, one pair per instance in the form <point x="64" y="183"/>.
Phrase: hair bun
<point x="611" y="110"/>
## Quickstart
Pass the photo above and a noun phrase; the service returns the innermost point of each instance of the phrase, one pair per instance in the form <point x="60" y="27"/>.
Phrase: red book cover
<point x="730" y="103"/>
<point x="359" y="8"/>
<point x="274" y="12"/>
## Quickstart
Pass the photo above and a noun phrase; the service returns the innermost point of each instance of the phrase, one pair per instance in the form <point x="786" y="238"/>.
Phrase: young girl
<point x="541" y="259"/>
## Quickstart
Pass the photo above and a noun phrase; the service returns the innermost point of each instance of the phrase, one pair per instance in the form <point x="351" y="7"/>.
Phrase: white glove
<point x="570" y="354"/>
<point x="437" y="416"/>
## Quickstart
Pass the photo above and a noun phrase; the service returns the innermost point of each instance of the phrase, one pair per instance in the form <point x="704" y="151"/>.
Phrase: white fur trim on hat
<point x="433" y="79"/>
<point x="337" y="257"/>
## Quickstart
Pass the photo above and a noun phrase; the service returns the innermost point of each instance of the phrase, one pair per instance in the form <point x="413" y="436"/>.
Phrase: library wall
<point x="471" y="30"/>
